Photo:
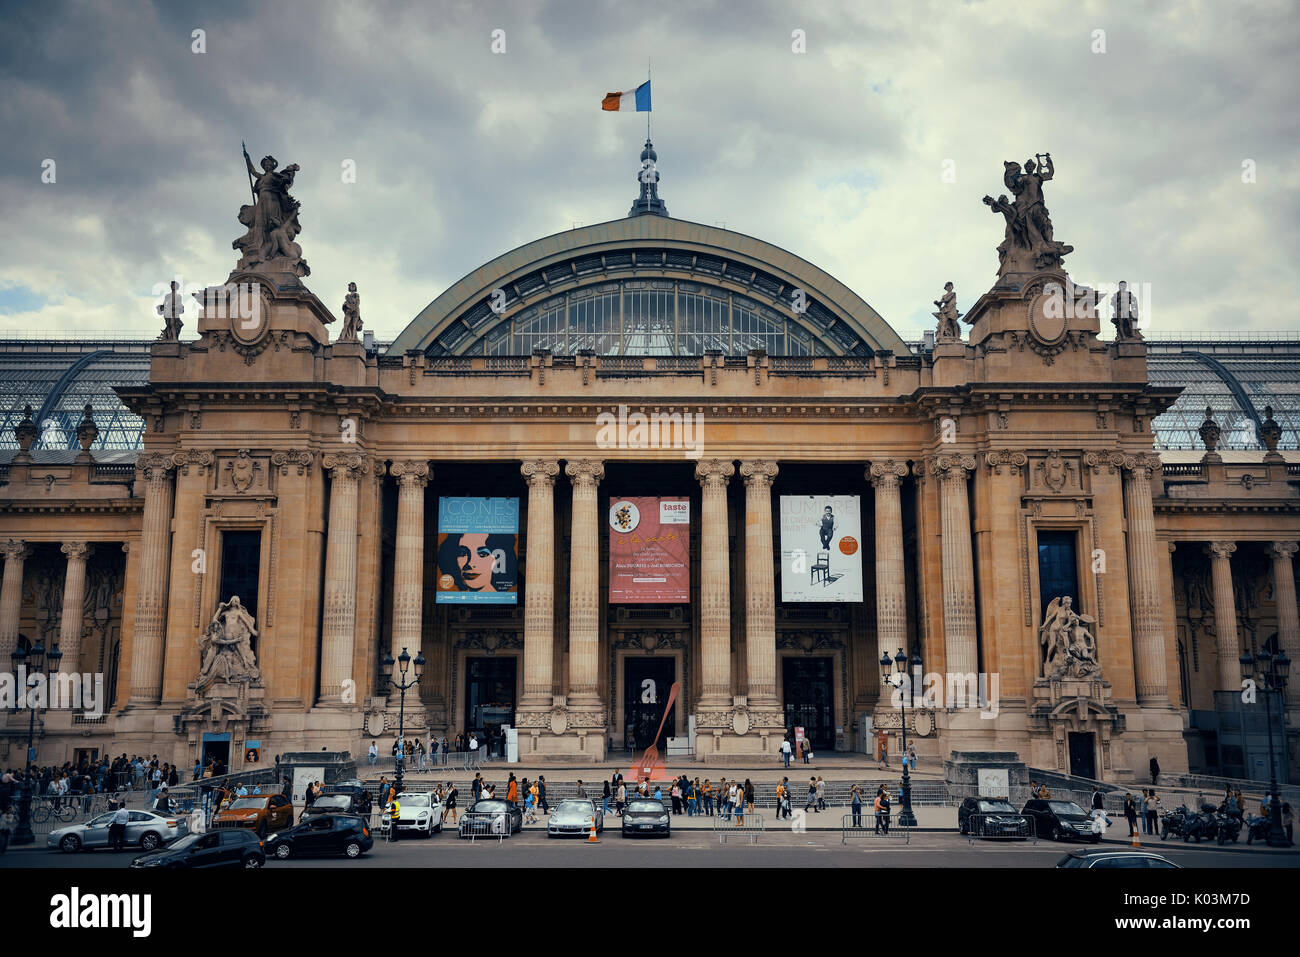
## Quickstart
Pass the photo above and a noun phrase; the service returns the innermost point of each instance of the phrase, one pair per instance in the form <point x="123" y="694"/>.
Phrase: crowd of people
<point x="78" y="782"/>
<point x="421" y="754"/>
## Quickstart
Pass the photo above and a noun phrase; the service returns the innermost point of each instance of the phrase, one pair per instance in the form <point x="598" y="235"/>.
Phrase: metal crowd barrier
<point x="885" y="830"/>
<point x="485" y="824"/>
<point x="984" y="828"/>
<point x="751" y="826"/>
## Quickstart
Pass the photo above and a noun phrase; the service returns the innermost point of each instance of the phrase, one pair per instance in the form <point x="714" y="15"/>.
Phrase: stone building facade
<point x="997" y="471"/>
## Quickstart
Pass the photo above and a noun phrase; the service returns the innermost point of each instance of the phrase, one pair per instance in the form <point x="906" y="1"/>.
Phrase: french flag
<point x="637" y="100"/>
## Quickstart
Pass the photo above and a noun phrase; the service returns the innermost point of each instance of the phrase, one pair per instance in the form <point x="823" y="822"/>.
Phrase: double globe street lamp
<point x="403" y="666"/>
<point x="38" y="664"/>
<point x="1270" y="673"/>
<point x="894" y="671"/>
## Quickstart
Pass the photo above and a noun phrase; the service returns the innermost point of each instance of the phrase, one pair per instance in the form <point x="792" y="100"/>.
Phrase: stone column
<point x="11" y="597"/>
<point x="1144" y="583"/>
<point x="1288" y="621"/>
<point x="151" y="590"/>
<point x="1225" y="615"/>
<point x="539" y="586"/>
<point x="339" y="611"/>
<point x="74" y="602"/>
<point x="959" y="638"/>
<point x="715" y="584"/>
<point x="891" y="589"/>
<point x="408" y="555"/>
<point x="584" y="585"/>
<point x="760" y="585"/>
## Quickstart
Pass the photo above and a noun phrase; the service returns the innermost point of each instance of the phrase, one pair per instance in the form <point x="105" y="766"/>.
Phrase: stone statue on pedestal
<point x="351" y="315"/>
<point x="1069" y="648"/>
<point x="225" y="648"/>
<point x="947" y="315"/>
<point x="172" y="308"/>
<point x="272" y="221"/>
<point x="1125" y="314"/>
<point x="1028" y="245"/>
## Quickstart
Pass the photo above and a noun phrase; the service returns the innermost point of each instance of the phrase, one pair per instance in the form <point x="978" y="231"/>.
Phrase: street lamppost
<point x="894" y="672"/>
<point x="1270" y="675"/>
<point x="39" y="663"/>
<point x="403" y="666"/>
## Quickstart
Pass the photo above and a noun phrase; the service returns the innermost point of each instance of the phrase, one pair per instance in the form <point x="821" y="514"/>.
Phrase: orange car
<point x="262" y="813"/>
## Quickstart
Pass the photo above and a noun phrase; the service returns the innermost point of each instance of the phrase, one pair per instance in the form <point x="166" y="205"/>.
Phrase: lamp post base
<point x="23" y="833"/>
<point x="905" y="816"/>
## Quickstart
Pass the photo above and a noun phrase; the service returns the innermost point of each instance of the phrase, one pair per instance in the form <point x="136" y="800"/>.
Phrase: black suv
<point x="322" y="834"/>
<point x="229" y="847"/>
<point x="991" y="817"/>
<point x="1060" y="820"/>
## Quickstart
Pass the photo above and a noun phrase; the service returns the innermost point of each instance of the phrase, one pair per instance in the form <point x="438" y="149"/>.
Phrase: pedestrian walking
<point x="449" y="802"/>
<point x="911" y="756"/>
<point x="811" y="803"/>
<point x="821" y="794"/>
<point x="707" y="794"/>
<point x="1130" y="812"/>
<point x="786" y="750"/>
<point x="1155" y="770"/>
<point x="541" y="795"/>
<point x="372" y="753"/>
<point x="676" y="795"/>
<point x="855" y="801"/>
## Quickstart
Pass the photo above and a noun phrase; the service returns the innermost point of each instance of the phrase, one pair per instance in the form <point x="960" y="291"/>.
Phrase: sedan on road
<point x="322" y="835"/>
<point x="1140" y="859"/>
<point x="144" y="828"/>
<point x="491" y="817"/>
<point x="991" y="817"/>
<point x="645" y="816"/>
<point x="1061" y="820"/>
<point x="225" y="848"/>
<point x="575" y="817"/>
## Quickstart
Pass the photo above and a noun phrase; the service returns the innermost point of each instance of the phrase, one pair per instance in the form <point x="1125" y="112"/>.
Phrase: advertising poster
<point x="649" y="550"/>
<point x="478" y="551"/>
<point x="821" y="548"/>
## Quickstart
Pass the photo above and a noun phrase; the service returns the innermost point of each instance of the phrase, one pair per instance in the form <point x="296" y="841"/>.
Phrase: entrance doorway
<point x="646" y="683"/>
<point x="1083" y="757"/>
<point x="490" y="699"/>
<point x="217" y="748"/>
<point x="808" y="693"/>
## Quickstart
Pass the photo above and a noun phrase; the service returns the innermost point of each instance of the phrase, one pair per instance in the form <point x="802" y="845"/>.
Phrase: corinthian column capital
<point x="758" y="471"/>
<point x="412" y="472"/>
<point x="886" y="472"/>
<point x="585" y="472"/>
<point x="343" y="465"/>
<point x="155" y="466"/>
<point x="952" y="467"/>
<point x="714" y="473"/>
<point x="540" y="471"/>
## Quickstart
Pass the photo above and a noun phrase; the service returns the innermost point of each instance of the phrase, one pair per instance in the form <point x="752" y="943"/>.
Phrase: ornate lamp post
<point x="1270" y="675"/>
<point x="894" y="672"/>
<point x="37" y="662"/>
<point x="403" y="666"/>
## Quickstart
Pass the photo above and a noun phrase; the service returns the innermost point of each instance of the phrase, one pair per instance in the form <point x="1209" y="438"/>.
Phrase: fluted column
<point x="891" y="589"/>
<point x="959" y="638"/>
<point x="1225" y="615"/>
<point x="408" y="556"/>
<point x="74" y="605"/>
<point x="760" y="584"/>
<point x="151" y="589"/>
<point x="11" y="596"/>
<point x="339" y="612"/>
<point x="715" y="584"/>
<point x="584" y="584"/>
<point x="539" y="584"/>
<point x="1145" y="596"/>
<point x="1288" y="620"/>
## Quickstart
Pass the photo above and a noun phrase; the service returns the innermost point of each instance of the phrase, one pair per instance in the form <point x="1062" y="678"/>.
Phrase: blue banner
<point x="478" y="551"/>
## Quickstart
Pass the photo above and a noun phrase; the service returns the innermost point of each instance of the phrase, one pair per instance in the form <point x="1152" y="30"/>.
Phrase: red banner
<point x="649" y="550"/>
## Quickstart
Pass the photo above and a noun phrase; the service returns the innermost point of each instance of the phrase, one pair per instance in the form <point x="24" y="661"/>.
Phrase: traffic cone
<point x="1136" y="842"/>
<point x="592" y="838"/>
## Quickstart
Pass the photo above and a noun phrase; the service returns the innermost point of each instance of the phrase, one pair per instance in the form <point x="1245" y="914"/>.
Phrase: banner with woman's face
<point x="478" y="551"/>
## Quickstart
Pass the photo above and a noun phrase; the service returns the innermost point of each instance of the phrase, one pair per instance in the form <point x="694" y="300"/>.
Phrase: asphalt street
<point x="702" y="849"/>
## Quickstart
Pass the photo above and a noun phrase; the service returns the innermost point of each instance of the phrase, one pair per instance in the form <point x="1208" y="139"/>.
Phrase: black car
<point x="1060" y="820"/>
<point x="230" y="847"/>
<point x="342" y="802"/>
<point x="991" y="817"/>
<point x="488" y="818"/>
<point x="644" y="817"/>
<point x="362" y="800"/>
<point x="321" y="835"/>
<point x="1108" y="859"/>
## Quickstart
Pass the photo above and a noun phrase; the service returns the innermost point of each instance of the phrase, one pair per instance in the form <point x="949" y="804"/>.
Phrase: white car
<point x="421" y="812"/>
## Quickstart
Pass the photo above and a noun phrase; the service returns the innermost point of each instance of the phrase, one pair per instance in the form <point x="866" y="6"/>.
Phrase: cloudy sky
<point x="837" y="154"/>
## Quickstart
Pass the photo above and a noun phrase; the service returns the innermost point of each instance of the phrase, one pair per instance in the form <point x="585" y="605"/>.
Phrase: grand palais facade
<point x="652" y="454"/>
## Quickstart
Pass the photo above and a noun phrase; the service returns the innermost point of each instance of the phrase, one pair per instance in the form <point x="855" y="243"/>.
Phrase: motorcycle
<point x="1256" y="829"/>
<point x="1202" y="825"/>
<point x="1228" y="828"/>
<point x="1174" y="822"/>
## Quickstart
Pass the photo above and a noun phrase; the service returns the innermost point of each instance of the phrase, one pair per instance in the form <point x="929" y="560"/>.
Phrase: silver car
<point x="575" y="817"/>
<point x="146" y="829"/>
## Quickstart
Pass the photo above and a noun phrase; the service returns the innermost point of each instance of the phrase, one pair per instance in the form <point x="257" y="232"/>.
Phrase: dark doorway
<point x="217" y="748"/>
<point x="490" y="698"/>
<point x="241" y="560"/>
<point x="646" y="684"/>
<point x="808" y="690"/>
<point x="1083" y="754"/>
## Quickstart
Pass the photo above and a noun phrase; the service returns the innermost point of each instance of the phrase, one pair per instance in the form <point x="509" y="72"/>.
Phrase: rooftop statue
<point x="272" y="221"/>
<point x="172" y="308"/>
<point x="947" y="315"/>
<point x="1028" y="245"/>
<point x="351" y="315"/>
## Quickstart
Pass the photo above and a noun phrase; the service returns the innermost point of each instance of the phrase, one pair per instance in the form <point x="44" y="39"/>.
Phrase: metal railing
<point x="1000" y="827"/>
<point x="750" y="826"/>
<point x="869" y="824"/>
<point x="475" y="824"/>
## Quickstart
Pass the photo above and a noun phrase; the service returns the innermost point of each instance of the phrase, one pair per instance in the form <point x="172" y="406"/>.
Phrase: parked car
<point x="575" y="817"/>
<point x="145" y="828"/>
<point x="505" y="819"/>
<point x="341" y="803"/>
<point x="1060" y="820"/>
<point x="262" y="813"/>
<point x="419" y="812"/>
<point x="992" y="817"/>
<point x="322" y="834"/>
<point x="1141" y="859"/>
<point x="355" y="788"/>
<point x="231" y="847"/>
<point x="645" y="816"/>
